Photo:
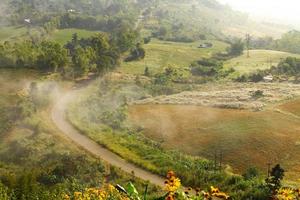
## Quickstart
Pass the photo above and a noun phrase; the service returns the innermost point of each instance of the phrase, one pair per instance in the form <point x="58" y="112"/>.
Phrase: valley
<point x="147" y="100"/>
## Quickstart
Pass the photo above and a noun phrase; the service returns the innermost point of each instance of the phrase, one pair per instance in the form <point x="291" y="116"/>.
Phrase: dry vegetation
<point x="230" y="95"/>
<point x="192" y="123"/>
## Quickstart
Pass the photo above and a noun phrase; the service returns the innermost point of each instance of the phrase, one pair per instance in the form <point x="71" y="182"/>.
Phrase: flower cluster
<point x="107" y="192"/>
<point x="172" y="185"/>
<point x="215" y="192"/>
<point x="288" y="194"/>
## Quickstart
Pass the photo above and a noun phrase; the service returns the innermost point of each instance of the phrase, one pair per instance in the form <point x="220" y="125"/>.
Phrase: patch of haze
<point x="279" y="11"/>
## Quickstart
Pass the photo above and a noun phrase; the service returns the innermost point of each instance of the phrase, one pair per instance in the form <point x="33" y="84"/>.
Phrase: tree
<point x="52" y="56"/>
<point x="136" y="53"/>
<point x="125" y="38"/>
<point x="82" y="60"/>
<point x="106" y="56"/>
<point x="274" y="181"/>
<point x="146" y="71"/>
<point x="236" y="48"/>
<point x="251" y="173"/>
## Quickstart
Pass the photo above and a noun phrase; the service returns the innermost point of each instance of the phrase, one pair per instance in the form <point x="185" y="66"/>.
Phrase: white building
<point x="27" y="21"/>
<point x="268" y="78"/>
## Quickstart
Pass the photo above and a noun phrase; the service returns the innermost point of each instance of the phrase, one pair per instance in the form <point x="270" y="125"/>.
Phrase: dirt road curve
<point x="59" y="118"/>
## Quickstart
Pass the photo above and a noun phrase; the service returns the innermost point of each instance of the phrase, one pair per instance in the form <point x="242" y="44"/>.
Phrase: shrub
<point x="256" y="95"/>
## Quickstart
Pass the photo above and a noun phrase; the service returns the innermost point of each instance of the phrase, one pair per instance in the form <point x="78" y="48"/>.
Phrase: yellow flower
<point x="214" y="190"/>
<point x="286" y="194"/>
<point x="78" y="195"/>
<point x="217" y="193"/>
<point x="66" y="197"/>
<point x="172" y="183"/>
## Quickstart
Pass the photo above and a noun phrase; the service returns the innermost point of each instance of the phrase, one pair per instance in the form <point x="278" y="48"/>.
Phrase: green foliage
<point x="289" y="42"/>
<point x="274" y="181"/>
<point x="137" y="53"/>
<point x="206" y="67"/>
<point x="48" y="56"/>
<point x="3" y="192"/>
<point x="82" y="60"/>
<point x="257" y="94"/>
<point x="236" y="48"/>
<point x="96" y="53"/>
<point x="6" y="119"/>
<point x="187" y="21"/>
<point x="115" y="119"/>
<point x="256" y="77"/>
<point x="290" y="66"/>
<point x="125" y="38"/>
<point x="251" y="173"/>
<point x="53" y="56"/>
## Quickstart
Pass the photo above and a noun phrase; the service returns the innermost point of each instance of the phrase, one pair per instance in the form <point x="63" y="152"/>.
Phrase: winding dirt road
<point x="59" y="118"/>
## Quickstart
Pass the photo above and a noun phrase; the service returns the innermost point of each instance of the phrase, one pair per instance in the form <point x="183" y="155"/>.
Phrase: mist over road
<point x="59" y="117"/>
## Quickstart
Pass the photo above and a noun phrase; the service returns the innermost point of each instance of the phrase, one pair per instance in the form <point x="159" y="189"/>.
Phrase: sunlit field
<point x="258" y="60"/>
<point x="160" y="54"/>
<point x="64" y="35"/>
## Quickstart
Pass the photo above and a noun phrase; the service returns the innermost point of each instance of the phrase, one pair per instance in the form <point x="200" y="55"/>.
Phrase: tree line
<point x="78" y="57"/>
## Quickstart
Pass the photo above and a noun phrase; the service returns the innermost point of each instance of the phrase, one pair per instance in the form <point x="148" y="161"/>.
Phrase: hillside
<point x="146" y="99"/>
<point x="193" y="19"/>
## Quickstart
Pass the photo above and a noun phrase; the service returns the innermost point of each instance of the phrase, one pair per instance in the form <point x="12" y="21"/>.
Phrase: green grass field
<point x="259" y="60"/>
<point x="160" y="54"/>
<point x="64" y="35"/>
<point x="8" y="33"/>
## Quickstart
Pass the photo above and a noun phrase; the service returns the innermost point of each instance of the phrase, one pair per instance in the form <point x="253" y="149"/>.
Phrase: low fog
<point x="280" y="11"/>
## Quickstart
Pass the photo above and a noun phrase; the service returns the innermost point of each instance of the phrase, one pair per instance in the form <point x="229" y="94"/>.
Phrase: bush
<point x="206" y="67"/>
<point x="236" y="48"/>
<point x="137" y="53"/>
<point x="256" y="95"/>
<point x="257" y="77"/>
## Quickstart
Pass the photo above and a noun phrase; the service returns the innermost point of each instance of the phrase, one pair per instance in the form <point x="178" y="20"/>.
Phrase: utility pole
<point x="215" y="161"/>
<point x="248" y="38"/>
<point x="269" y="169"/>
<point x="221" y="160"/>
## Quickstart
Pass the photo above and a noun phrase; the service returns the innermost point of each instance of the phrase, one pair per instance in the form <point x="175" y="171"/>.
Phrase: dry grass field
<point x="245" y="138"/>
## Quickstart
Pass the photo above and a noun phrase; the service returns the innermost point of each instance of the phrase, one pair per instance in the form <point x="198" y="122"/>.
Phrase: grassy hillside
<point x="259" y="60"/>
<point x="160" y="54"/>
